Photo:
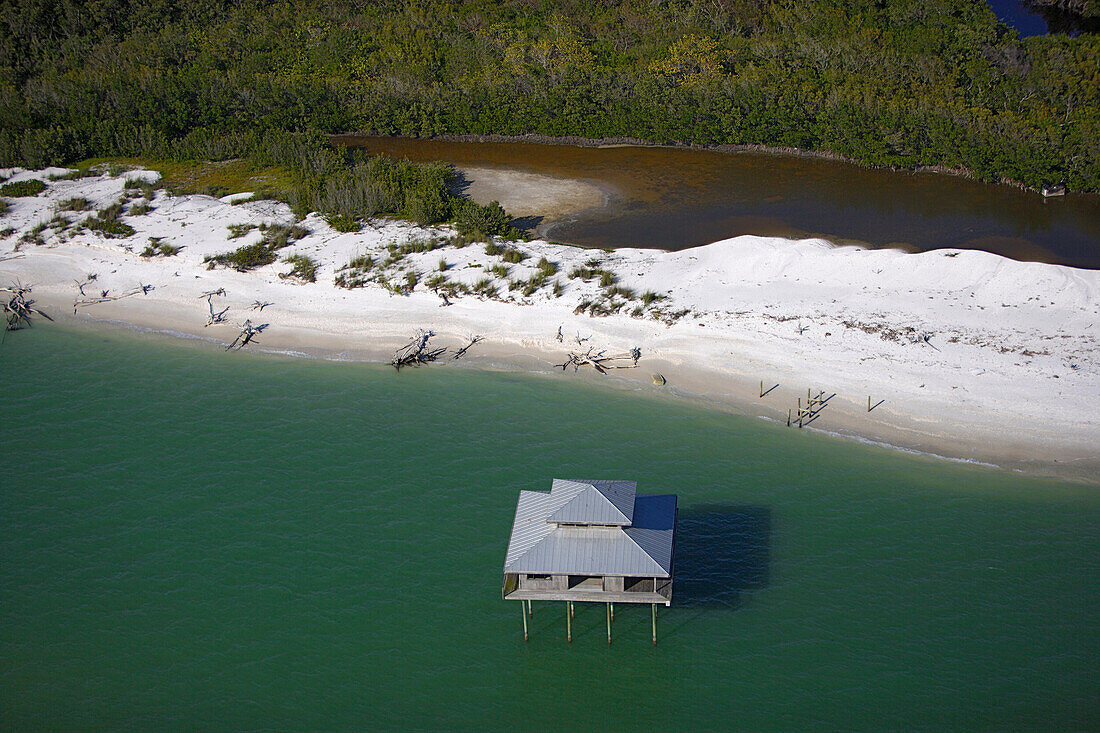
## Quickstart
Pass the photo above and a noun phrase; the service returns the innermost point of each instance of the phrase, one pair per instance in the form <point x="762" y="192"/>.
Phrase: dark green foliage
<point x="106" y="222"/>
<point x="485" y="287"/>
<point x="493" y="249"/>
<point x="29" y="187"/>
<point x="244" y="258"/>
<point x="547" y="268"/>
<point x="411" y="279"/>
<point x="900" y="83"/>
<point x="483" y="221"/>
<point x="236" y="231"/>
<point x="157" y="248"/>
<point x="303" y="267"/>
<point x="513" y="255"/>
<point x="5" y="206"/>
<point x="354" y="274"/>
<point x="499" y="270"/>
<point x="649" y="297"/>
<point x="139" y="209"/>
<point x="342" y="223"/>
<point x="74" y="204"/>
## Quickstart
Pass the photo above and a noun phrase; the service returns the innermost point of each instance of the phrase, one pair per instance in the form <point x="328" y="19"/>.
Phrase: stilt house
<point x="591" y="541"/>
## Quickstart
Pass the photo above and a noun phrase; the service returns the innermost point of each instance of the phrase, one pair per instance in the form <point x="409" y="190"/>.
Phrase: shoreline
<point x="616" y="142"/>
<point x="978" y="358"/>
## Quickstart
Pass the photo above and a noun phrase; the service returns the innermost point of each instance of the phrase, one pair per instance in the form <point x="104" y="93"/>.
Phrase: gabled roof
<point x="594" y="502"/>
<point x="539" y="545"/>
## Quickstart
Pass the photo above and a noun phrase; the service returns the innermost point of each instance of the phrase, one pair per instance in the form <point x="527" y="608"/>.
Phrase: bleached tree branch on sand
<point x="247" y="335"/>
<point x="417" y="351"/>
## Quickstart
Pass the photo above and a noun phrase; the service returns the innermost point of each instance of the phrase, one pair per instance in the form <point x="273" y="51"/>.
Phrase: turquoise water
<point x="208" y="541"/>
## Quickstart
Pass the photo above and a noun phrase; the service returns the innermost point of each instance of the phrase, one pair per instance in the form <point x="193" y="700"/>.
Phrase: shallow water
<point x="675" y="198"/>
<point x="211" y="541"/>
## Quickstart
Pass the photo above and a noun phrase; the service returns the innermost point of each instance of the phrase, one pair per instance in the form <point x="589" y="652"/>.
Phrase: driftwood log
<point x="19" y="309"/>
<point x="215" y="316"/>
<point x="462" y="352"/>
<point x="417" y="351"/>
<point x="106" y="297"/>
<point x="600" y="360"/>
<point x="247" y="335"/>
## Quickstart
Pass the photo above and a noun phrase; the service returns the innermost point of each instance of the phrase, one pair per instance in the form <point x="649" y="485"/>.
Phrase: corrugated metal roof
<point x="594" y="502"/>
<point x="538" y="545"/>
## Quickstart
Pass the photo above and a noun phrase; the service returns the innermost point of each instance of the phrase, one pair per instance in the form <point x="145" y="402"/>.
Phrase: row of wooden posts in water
<point x="570" y="614"/>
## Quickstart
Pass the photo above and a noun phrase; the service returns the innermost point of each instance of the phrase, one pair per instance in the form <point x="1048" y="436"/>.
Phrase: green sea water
<point x="195" y="540"/>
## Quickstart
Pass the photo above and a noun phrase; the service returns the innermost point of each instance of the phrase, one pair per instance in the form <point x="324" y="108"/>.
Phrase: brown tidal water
<point x="677" y="198"/>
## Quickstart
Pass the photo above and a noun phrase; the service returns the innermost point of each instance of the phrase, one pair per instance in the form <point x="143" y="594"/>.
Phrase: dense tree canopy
<point x="887" y="82"/>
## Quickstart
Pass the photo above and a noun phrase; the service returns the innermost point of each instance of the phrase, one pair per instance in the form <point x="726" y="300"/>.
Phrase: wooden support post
<point x="568" y="622"/>
<point x="608" y="623"/>
<point x="761" y="387"/>
<point x="529" y="611"/>
<point x="572" y="610"/>
<point x="868" y="403"/>
<point x="788" y="417"/>
<point x="612" y="611"/>
<point x="523" y="611"/>
<point x="654" y="624"/>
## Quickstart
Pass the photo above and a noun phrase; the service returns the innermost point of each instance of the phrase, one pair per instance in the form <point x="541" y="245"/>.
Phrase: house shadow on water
<point x="723" y="551"/>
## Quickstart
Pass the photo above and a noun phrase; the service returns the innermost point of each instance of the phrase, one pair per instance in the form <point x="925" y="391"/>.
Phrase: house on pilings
<point x="596" y="541"/>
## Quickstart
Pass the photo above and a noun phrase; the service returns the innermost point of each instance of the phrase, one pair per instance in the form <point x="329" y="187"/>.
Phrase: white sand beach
<point x="966" y="354"/>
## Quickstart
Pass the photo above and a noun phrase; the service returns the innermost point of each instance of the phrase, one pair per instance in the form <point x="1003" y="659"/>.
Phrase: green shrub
<point x="140" y="209"/>
<point x="514" y="255"/>
<point x="493" y="249"/>
<point x="110" y="228"/>
<point x="5" y="206"/>
<point x="19" y="189"/>
<point x="303" y="267"/>
<point x="244" y="258"/>
<point x="499" y="270"/>
<point x="482" y="221"/>
<point x="621" y="291"/>
<point x="342" y="223"/>
<point x="236" y="231"/>
<point x="649" y="297"/>
<point x="78" y="203"/>
<point x="485" y="287"/>
<point x="547" y="268"/>
<point x="607" y="279"/>
<point x="436" y="282"/>
<point x="157" y="248"/>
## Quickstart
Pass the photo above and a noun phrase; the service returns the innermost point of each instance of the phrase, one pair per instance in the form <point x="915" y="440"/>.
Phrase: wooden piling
<point x="608" y="623"/>
<point x="612" y="611"/>
<point x="568" y="623"/>
<point x="523" y="611"/>
<point x="654" y="605"/>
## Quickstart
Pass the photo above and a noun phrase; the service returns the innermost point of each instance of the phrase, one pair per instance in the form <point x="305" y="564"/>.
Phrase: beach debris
<point x="215" y="316"/>
<point x="814" y="405"/>
<point x="259" y="305"/>
<point x="19" y="309"/>
<point x="417" y="351"/>
<point x="92" y="277"/>
<point x="106" y="297"/>
<point x="247" y="335"/>
<point x="658" y="379"/>
<point x="600" y="360"/>
<point x="462" y="352"/>
<point x="764" y="392"/>
<point x="870" y="406"/>
<point x="559" y="336"/>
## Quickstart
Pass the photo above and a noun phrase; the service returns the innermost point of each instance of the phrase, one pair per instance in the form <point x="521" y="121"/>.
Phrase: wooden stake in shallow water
<point x="608" y="623"/>
<point x="654" y="624"/>
<point x="568" y="622"/>
<point x="523" y="610"/>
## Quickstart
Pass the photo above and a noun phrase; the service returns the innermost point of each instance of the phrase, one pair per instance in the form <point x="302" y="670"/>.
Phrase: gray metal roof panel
<point x="594" y="502"/>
